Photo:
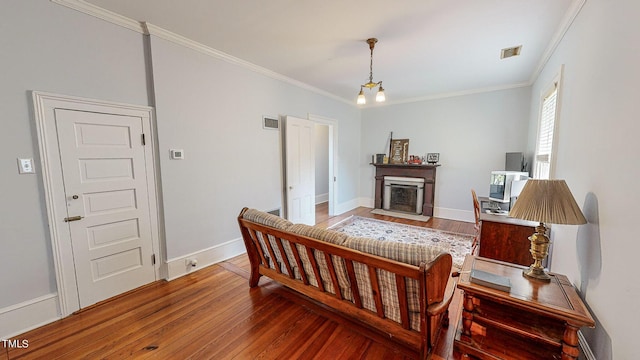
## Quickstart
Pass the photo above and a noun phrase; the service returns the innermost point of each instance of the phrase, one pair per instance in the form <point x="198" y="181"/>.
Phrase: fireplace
<point x="405" y="194"/>
<point x="426" y="172"/>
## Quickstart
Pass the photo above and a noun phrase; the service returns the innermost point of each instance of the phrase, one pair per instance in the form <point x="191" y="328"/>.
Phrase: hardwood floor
<point x="213" y="314"/>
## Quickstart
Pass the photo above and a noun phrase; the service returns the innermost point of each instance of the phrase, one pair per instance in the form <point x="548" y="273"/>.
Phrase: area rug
<point x="458" y="245"/>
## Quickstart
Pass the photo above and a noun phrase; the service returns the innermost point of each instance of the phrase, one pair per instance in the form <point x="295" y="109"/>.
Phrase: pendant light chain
<point x="380" y="97"/>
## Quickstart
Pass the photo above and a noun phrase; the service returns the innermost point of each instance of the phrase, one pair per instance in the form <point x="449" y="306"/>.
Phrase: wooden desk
<point x="535" y="320"/>
<point x="506" y="239"/>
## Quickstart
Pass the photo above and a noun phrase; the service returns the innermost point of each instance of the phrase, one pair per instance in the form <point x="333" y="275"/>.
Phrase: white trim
<point x="101" y="13"/>
<point x="451" y="94"/>
<point x="438" y="212"/>
<point x="44" y="105"/>
<point x="566" y="23"/>
<point x="454" y="214"/>
<point x="342" y="208"/>
<point x="28" y="315"/>
<point x="194" y="45"/>
<point x="557" y="82"/>
<point x="150" y="29"/>
<point x="322" y="198"/>
<point x="367" y="202"/>
<point x="178" y="267"/>
<point x="584" y="347"/>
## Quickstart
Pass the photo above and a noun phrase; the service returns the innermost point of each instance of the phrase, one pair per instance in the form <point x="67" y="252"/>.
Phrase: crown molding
<point x="566" y="23"/>
<point x="154" y="30"/>
<point x="100" y="13"/>
<point x="455" y="94"/>
<point x="150" y="29"/>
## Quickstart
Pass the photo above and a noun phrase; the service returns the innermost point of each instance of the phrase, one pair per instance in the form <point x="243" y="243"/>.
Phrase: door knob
<point x="75" y="197"/>
<point x="72" y="218"/>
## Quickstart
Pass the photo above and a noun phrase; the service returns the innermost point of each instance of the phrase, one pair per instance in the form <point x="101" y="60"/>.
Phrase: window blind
<point x="544" y="148"/>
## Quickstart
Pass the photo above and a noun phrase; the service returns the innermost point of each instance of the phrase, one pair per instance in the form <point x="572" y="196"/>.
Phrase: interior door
<point x="103" y="166"/>
<point x="300" y="175"/>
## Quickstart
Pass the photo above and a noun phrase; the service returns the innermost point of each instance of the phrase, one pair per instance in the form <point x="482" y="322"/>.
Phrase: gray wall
<point x="597" y="134"/>
<point x="210" y="108"/>
<point x="49" y="48"/>
<point x="213" y="110"/>
<point x="472" y="133"/>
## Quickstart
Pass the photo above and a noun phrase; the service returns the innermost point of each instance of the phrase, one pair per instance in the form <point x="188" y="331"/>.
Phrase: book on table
<point x="490" y="280"/>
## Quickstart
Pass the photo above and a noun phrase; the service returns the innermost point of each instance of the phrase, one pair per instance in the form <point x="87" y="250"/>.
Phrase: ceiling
<point x="426" y="48"/>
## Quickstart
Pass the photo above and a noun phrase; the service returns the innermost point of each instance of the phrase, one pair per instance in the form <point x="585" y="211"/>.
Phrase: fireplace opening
<point x="403" y="194"/>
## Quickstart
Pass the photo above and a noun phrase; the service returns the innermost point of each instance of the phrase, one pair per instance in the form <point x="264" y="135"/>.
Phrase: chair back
<point x="476" y="212"/>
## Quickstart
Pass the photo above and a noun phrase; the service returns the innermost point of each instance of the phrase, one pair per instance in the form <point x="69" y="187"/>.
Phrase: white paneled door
<point x="107" y="201"/>
<point x="300" y="170"/>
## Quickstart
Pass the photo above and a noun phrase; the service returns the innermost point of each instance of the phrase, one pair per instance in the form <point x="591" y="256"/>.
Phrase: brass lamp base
<point x="535" y="273"/>
<point x="539" y="251"/>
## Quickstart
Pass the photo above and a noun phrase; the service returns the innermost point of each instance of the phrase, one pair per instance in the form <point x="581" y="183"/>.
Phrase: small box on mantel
<point x="490" y="280"/>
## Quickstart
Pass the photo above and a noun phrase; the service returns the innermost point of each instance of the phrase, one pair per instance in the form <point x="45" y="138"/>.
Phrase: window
<point x="545" y="144"/>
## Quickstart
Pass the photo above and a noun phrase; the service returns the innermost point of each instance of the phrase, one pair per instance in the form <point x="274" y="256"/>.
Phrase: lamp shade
<point x="547" y="201"/>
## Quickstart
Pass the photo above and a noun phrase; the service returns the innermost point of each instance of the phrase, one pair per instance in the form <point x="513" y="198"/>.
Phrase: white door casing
<point x="300" y="170"/>
<point x="95" y="166"/>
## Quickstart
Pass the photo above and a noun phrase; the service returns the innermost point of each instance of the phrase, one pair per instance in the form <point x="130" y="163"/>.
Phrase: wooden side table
<point x="535" y="320"/>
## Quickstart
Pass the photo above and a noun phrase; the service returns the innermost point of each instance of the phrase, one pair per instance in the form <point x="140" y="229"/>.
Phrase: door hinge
<point x="144" y="142"/>
<point x="153" y="259"/>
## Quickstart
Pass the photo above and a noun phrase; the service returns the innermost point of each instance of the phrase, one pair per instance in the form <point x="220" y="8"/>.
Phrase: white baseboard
<point x="442" y="213"/>
<point x="585" y="349"/>
<point x="322" y="198"/>
<point x="454" y="214"/>
<point x="28" y="315"/>
<point x="346" y="206"/>
<point x="178" y="267"/>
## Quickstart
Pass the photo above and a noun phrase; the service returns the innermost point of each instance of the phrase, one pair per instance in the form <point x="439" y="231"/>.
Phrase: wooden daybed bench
<point x="401" y="290"/>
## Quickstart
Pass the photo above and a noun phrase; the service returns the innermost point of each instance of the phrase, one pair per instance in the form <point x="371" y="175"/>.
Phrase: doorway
<point x="326" y="165"/>
<point x="101" y="196"/>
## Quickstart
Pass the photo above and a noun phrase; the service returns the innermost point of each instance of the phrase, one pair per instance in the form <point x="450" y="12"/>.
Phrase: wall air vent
<point x="270" y="122"/>
<point x="509" y="52"/>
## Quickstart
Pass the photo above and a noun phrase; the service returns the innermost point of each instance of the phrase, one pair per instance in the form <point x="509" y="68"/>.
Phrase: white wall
<point x="213" y="110"/>
<point x="596" y="154"/>
<point x="49" y="48"/>
<point x="472" y="133"/>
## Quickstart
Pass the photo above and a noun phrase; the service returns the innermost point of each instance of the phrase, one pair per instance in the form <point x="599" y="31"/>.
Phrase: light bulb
<point x="380" y="95"/>
<point x="361" y="99"/>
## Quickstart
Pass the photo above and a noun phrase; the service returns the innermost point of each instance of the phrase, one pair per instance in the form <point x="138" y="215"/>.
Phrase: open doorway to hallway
<point x="322" y="170"/>
<point x="322" y="212"/>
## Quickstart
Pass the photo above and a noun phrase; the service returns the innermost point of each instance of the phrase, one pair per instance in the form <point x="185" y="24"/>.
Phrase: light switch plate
<point x="25" y="166"/>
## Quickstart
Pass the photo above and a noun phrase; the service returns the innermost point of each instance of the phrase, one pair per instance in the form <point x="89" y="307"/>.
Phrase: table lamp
<point x="545" y="201"/>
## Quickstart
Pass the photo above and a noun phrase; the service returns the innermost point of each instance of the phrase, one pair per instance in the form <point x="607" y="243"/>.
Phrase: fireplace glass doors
<point x="404" y="194"/>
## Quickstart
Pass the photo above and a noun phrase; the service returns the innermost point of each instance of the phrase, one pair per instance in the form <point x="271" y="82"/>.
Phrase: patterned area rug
<point x="458" y="245"/>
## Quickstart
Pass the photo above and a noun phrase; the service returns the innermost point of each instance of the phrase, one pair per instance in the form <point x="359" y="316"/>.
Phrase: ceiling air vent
<point x="270" y="122"/>
<point x="509" y="52"/>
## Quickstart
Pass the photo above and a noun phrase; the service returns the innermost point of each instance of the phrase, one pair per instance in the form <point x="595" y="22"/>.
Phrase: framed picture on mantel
<point x="399" y="151"/>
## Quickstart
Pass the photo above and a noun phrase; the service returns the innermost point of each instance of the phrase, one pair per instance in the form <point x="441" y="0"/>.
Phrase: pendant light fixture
<point x="370" y="85"/>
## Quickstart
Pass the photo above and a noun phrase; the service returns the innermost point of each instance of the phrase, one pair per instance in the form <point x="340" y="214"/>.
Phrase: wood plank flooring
<point x="213" y="314"/>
